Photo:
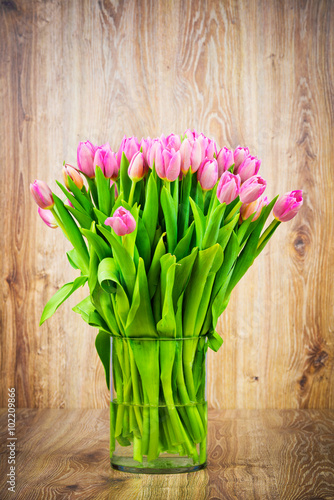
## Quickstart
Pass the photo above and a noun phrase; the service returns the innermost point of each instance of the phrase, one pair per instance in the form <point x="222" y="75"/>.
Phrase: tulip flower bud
<point x="208" y="174"/>
<point x="69" y="171"/>
<point x="249" y="167"/>
<point x="173" y="142"/>
<point x="225" y="160"/>
<point x="106" y="159"/>
<point x="129" y="146"/>
<point x="185" y="151"/>
<point x="145" y="145"/>
<point x="247" y="209"/>
<point x="48" y="218"/>
<point x="122" y="222"/>
<point x="155" y="145"/>
<point x="167" y="163"/>
<point x="239" y="155"/>
<point x="228" y="187"/>
<point x="287" y="206"/>
<point x="191" y="134"/>
<point x="252" y="189"/>
<point x="42" y="194"/>
<point x="85" y="158"/>
<point x="137" y="170"/>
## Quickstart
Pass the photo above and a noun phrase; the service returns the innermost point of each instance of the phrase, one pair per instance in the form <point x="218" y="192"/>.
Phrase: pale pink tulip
<point x="191" y="155"/>
<point x="249" y="167"/>
<point x="252" y="189"/>
<point x="85" y="158"/>
<point x="168" y="163"/>
<point x="228" y="187"/>
<point x="122" y="222"/>
<point x="225" y="160"/>
<point x="42" y="194"/>
<point x="48" y="218"/>
<point x="208" y="174"/>
<point x="137" y="170"/>
<point x="288" y="205"/>
<point x="129" y="146"/>
<point x="239" y="155"/>
<point x="70" y="171"/>
<point x="106" y="159"/>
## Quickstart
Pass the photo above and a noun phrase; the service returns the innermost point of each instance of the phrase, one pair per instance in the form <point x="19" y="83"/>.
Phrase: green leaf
<point x="98" y="243"/>
<point x="215" y="341"/>
<point x="84" y="220"/>
<point x="60" y="296"/>
<point x="80" y="196"/>
<point x="102" y="344"/>
<point x="204" y="303"/>
<point x="182" y="274"/>
<point x="153" y="276"/>
<point x="101" y="217"/>
<point x="123" y="258"/>
<point x="84" y="308"/>
<point x="267" y="235"/>
<point x="73" y="234"/>
<point x="143" y="243"/>
<point x="182" y="248"/>
<point x="226" y="231"/>
<point x="248" y="254"/>
<point x="184" y="205"/>
<point x="140" y="321"/>
<point x="150" y="213"/>
<point x="125" y="181"/>
<point x="195" y="288"/>
<point x="73" y="258"/>
<point x="168" y="208"/>
<point x="108" y="275"/>
<point x="199" y="222"/>
<point x="103" y="191"/>
<point x="213" y="225"/>
<point x="167" y="326"/>
<point x="72" y="199"/>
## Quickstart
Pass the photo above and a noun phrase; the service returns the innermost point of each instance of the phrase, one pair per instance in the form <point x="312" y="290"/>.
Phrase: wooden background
<point x="255" y="73"/>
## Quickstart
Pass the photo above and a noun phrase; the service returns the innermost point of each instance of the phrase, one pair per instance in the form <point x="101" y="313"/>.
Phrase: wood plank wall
<point x="255" y="73"/>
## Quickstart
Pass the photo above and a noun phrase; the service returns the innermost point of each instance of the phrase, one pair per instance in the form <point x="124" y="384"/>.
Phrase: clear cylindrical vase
<point x="158" y="407"/>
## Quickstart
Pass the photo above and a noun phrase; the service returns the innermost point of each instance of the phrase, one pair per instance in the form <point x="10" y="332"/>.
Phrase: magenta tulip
<point x="168" y="163"/>
<point x="129" y="146"/>
<point x="247" y="209"/>
<point x="137" y="170"/>
<point x="85" y="158"/>
<point x="191" y="155"/>
<point x="48" y="218"/>
<point x="70" y="171"/>
<point x="239" y="155"/>
<point x="249" y="167"/>
<point x="287" y="206"/>
<point x="252" y="189"/>
<point x="106" y="159"/>
<point x="225" y="160"/>
<point x="228" y="187"/>
<point x="42" y="194"/>
<point x="208" y="174"/>
<point x="122" y="222"/>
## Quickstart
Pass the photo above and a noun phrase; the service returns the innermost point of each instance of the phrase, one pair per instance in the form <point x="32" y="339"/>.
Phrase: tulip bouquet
<point x="162" y="231"/>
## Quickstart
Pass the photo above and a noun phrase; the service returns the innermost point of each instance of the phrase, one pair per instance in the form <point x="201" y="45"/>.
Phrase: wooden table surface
<point x="253" y="454"/>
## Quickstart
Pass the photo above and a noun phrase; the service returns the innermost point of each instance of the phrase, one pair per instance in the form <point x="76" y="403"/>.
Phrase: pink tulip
<point x="168" y="163"/>
<point x="228" y="187"/>
<point x="287" y="206"/>
<point x="225" y="160"/>
<point x="208" y="147"/>
<point x="106" y="159"/>
<point x="155" y="145"/>
<point x="122" y="222"/>
<point x="85" y="158"/>
<point x="208" y="174"/>
<point x="42" y="194"/>
<point x="191" y="155"/>
<point x="173" y="142"/>
<point x="249" y="167"/>
<point x="69" y="171"/>
<point x="252" y="189"/>
<point x="239" y="155"/>
<point x="145" y="145"/>
<point x="191" y="134"/>
<point x="48" y="218"/>
<point x="247" y="209"/>
<point x="137" y="170"/>
<point x="129" y="146"/>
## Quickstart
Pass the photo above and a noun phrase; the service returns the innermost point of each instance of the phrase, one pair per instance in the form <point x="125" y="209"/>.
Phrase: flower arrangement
<point x="162" y="231"/>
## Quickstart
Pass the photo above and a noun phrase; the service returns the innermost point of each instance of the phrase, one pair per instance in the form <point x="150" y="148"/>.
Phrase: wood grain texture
<point x="251" y="72"/>
<point x="252" y="455"/>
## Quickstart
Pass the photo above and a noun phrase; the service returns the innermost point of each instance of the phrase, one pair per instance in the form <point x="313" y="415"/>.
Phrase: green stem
<point x="132" y="192"/>
<point x="270" y="229"/>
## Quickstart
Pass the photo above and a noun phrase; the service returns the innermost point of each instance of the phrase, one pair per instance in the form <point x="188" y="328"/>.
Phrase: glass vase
<point x="158" y="408"/>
